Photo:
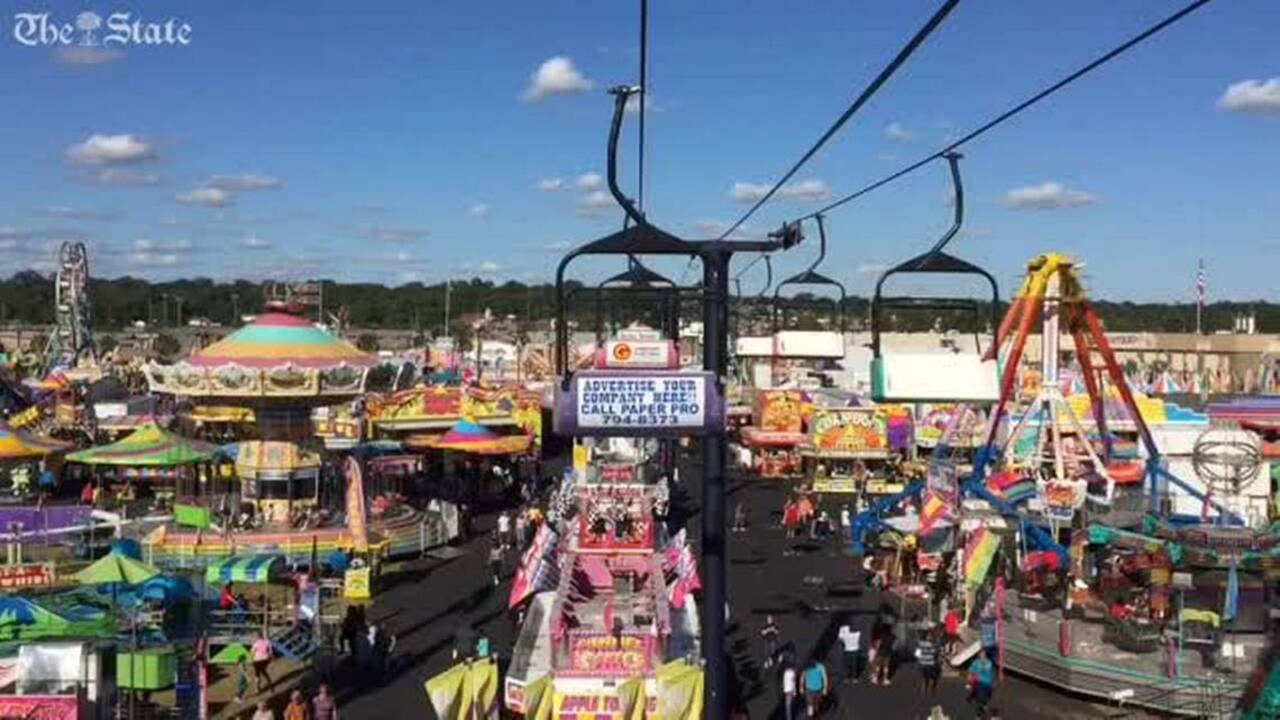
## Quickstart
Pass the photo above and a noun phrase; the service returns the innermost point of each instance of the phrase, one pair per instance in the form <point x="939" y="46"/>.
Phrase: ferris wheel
<point x="72" y="339"/>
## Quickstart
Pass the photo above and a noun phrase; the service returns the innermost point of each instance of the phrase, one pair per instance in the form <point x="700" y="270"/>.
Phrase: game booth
<point x="774" y="440"/>
<point x="852" y="451"/>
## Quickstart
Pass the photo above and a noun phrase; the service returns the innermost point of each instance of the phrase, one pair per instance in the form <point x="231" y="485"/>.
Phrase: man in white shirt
<point x="852" y="641"/>
<point x="504" y="529"/>
<point x="789" y="690"/>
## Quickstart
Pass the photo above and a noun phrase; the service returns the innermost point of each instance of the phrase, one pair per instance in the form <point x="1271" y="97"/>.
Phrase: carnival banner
<point x="539" y="567"/>
<point x="356" y="517"/>
<point x="978" y="555"/>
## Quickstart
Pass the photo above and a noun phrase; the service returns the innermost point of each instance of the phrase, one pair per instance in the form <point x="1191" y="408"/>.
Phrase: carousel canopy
<point x="279" y="355"/>
<point x="277" y="338"/>
<point x="116" y="568"/>
<point x="244" y="569"/>
<point x="17" y="444"/>
<point x="149" y="446"/>
<point x="468" y="436"/>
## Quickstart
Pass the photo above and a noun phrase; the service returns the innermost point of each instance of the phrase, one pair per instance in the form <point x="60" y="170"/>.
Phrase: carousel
<point x="280" y="367"/>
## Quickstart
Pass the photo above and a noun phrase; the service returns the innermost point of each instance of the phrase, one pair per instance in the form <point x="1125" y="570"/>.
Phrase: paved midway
<point x="430" y="599"/>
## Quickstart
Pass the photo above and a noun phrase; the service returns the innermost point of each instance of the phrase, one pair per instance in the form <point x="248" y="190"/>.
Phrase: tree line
<point x="28" y="297"/>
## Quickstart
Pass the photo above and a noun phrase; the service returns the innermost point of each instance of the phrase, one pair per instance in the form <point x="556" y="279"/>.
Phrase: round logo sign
<point x="622" y="352"/>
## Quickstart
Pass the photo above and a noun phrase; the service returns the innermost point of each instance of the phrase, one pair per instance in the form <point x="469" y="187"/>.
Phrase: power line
<point x="1006" y="115"/>
<point x="921" y="35"/>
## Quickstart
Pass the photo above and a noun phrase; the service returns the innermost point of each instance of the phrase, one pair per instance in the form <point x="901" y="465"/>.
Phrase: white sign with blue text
<point x="642" y="401"/>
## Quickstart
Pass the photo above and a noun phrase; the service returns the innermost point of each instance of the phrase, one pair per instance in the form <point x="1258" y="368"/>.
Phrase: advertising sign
<point x="638" y="355"/>
<point x="26" y="576"/>
<point x="835" y="485"/>
<point x="618" y="473"/>
<point x="780" y="411"/>
<point x="355" y="584"/>
<point x="602" y="654"/>
<point x="656" y="403"/>
<point x="850" y="432"/>
<point x="882" y="486"/>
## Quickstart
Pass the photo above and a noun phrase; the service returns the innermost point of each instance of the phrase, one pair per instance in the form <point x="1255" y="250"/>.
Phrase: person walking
<point x="261" y="653"/>
<point x="740" y="518"/>
<point x="951" y="625"/>
<point x="242" y="681"/>
<point x="324" y="706"/>
<point x="981" y="683"/>
<point x="816" y="687"/>
<point x="495" y="562"/>
<point x="789" y="691"/>
<point x="504" y="529"/>
<point x="297" y="708"/>
<point x="927" y="658"/>
<point x="770" y="633"/>
<point x="851" y="640"/>
<point x="264" y="712"/>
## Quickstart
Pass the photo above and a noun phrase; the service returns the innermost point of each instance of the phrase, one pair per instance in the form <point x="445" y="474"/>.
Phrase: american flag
<point x="1200" y="284"/>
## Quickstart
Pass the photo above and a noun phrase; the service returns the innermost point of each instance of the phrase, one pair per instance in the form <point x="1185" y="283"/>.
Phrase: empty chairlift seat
<point x="934" y="376"/>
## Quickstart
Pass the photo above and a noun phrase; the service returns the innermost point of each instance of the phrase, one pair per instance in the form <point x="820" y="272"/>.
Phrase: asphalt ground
<point x="811" y="588"/>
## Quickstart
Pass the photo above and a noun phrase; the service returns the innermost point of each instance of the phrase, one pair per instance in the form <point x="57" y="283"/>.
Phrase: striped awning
<point x="244" y="569"/>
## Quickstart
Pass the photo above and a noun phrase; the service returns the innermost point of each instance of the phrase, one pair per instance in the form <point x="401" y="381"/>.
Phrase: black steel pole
<point x="715" y="353"/>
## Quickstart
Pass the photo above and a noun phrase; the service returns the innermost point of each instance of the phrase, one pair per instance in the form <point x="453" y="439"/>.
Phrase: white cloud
<point x="595" y="203"/>
<point x="386" y="233"/>
<point x="555" y="247"/>
<point x="82" y="214"/>
<point x="1259" y="97"/>
<point x="78" y="55"/>
<point x="152" y="259"/>
<point x="489" y="267"/>
<point x="1047" y="196"/>
<point x="872" y="268"/>
<point x="896" y="132"/>
<point x="147" y="245"/>
<point x="110" y="150"/>
<point x="244" y="183"/>
<point x="807" y="190"/>
<point x="478" y="210"/>
<point x="11" y="237"/>
<point x="556" y="76"/>
<point x="590" y="181"/>
<point x="551" y="184"/>
<point x="206" y="196"/>
<point x="126" y="178"/>
<point x="253" y="242"/>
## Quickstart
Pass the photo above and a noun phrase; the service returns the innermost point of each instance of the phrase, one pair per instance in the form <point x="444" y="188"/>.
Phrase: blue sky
<point x="405" y="141"/>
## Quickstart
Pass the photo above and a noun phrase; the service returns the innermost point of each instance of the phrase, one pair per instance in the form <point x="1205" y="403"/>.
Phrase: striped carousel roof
<point x="149" y="446"/>
<point x="278" y="338"/>
<point x="18" y="444"/>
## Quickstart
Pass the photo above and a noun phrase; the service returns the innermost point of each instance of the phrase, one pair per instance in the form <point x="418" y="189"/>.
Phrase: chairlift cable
<point x="644" y="95"/>
<point x="1015" y="110"/>
<point x="870" y="90"/>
